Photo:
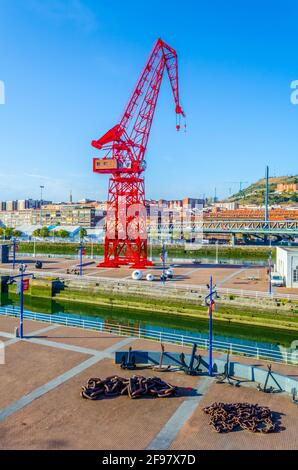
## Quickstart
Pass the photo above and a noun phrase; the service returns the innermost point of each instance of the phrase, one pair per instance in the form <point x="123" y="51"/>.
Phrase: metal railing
<point x="282" y="355"/>
<point x="157" y="288"/>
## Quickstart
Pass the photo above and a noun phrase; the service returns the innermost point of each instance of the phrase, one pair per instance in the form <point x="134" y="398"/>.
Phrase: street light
<point x="14" y="243"/>
<point x="81" y="252"/>
<point x="41" y="188"/>
<point x="269" y="273"/>
<point x="210" y="303"/>
<point x="163" y="258"/>
<point x="23" y="284"/>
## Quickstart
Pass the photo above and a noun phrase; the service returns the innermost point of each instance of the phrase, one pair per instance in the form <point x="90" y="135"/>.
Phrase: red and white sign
<point x="212" y="306"/>
<point x="25" y="284"/>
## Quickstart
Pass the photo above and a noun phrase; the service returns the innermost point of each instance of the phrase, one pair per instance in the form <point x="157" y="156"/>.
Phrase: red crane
<point x="125" y="146"/>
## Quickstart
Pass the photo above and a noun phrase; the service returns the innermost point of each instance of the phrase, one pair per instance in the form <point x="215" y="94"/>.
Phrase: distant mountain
<point x="255" y="193"/>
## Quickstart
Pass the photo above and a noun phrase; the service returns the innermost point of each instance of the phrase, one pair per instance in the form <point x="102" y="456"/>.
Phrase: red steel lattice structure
<point x="125" y="146"/>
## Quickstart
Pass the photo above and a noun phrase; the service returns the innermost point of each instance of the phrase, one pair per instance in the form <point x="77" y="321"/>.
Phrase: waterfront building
<point x="287" y="265"/>
<point x="52" y="215"/>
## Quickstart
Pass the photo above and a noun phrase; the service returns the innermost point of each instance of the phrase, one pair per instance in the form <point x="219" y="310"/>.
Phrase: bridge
<point x="256" y="228"/>
<point x="285" y="227"/>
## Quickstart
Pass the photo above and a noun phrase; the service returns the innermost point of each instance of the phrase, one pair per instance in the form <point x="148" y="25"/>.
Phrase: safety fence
<point x="156" y="288"/>
<point x="276" y="354"/>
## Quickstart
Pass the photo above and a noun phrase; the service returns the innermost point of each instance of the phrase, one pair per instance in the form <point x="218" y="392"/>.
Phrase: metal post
<point x="210" y="329"/>
<point x="163" y="255"/>
<point x="41" y="188"/>
<point x="22" y="302"/>
<point x="267" y="196"/>
<point x="216" y="245"/>
<point x="13" y="253"/>
<point x="269" y="271"/>
<point x="164" y="261"/>
<point x="81" y="258"/>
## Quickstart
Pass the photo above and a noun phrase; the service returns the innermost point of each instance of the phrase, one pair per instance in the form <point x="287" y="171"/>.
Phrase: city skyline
<point x="236" y="95"/>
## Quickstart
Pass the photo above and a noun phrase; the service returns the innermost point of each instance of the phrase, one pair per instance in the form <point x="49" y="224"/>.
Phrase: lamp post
<point x="269" y="273"/>
<point x="21" y="287"/>
<point x="41" y="188"/>
<point x="81" y="251"/>
<point x="22" y="270"/>
<point x="210" y="302"/>
<point x="163" y="258"/>
<point x="14" y="242"/>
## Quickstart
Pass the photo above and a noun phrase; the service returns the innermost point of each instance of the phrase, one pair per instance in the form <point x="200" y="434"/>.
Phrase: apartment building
<point x="11" y="205"/>
<point x="52" y="215"/>
<point x="21" y="204"/>
<point x="287" y="188"/>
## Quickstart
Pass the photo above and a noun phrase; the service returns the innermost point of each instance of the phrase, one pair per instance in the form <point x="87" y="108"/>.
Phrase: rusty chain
<point x="225" y="417"/>
<point x="135" y="387"/>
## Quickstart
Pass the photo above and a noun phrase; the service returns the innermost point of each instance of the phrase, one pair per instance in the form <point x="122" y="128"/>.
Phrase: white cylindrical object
<point x="150" y="277"/>
<point x="137" y="275"/>
<point x="170" y="272"/>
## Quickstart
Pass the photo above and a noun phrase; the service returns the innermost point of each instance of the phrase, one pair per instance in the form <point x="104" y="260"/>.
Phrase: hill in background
<point x="255" y="193"/>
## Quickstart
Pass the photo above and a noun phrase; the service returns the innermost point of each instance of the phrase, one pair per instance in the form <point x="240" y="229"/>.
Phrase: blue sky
<point x="69" y="67"/>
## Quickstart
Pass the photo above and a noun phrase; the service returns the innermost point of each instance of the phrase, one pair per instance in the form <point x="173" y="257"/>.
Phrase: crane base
<point x="107" y="264"/>
<point x="117" y="264"/>
<point x="142" y="265"/>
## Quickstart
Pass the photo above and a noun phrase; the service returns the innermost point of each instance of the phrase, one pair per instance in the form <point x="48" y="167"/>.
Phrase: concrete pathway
<point x="38" y="392"/>
<point x="14" y="340"/>
<point x="168" y="433"/>
<point x="230" y="276"/>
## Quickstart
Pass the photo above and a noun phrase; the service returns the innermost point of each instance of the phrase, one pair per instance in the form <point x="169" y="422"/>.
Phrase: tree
<point x="63" y="233"/>
<point x="36" y="232"/>
<point x="83" y="233"/>
<point x="44" y="232"/>
<point x="1" y="231"/>
<point x="8" y="232"/>
<point x="17" y="233"/>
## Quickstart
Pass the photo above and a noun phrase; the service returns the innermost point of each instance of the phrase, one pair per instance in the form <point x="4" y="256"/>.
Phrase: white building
<point x="287" y="265"/>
